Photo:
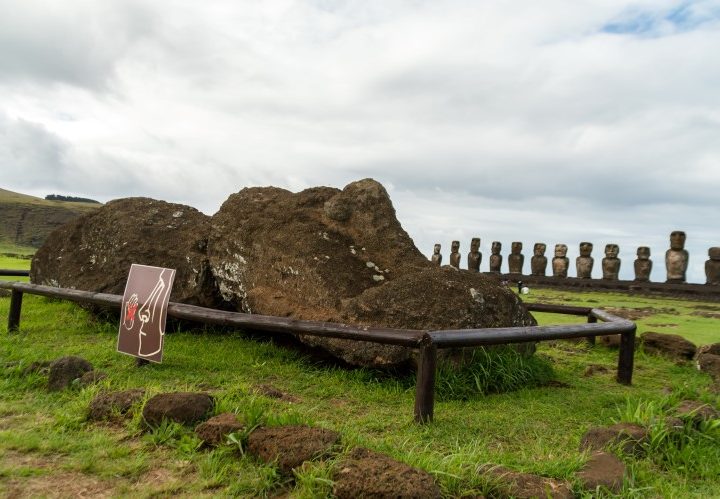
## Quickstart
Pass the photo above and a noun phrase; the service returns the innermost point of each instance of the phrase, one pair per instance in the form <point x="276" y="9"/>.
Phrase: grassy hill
<point x="25" y="221"/>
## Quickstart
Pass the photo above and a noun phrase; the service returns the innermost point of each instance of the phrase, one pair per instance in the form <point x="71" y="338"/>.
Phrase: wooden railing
<point x="14" y="273"/>
<point x="427" y="342"/>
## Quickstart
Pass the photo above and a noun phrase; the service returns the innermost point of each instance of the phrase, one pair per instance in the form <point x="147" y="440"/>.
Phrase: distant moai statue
<point x="436" y="257"/>
<point x="643" y="264"/>
<point x="455" y="254"/>
<point x="560" y="262"/>
<point x="584" y="263"/>
<point x="474" y="257"/>
<point x="516" y="259"/>
<point x="611" y="262"/>
<point x="676" y="258"/>
<point x="712" y="267"/>
<point x="538" y="263"/>
<point x="495" y="257"/>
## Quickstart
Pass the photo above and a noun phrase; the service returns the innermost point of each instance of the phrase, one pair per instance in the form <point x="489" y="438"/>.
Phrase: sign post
<point x="144" y="312"/>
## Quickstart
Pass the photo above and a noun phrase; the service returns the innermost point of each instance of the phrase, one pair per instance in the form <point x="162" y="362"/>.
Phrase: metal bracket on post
<point x="626" y="357"/>
<point x="425" y="387"/>
<point x="15" y="308"/>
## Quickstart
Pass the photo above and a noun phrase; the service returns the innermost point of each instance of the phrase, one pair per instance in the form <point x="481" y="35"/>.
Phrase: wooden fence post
<point x="15" y="307"/>
<point x="425" y="387"/>
<point x="626" y="357"/>
<point x="591" y="320"/>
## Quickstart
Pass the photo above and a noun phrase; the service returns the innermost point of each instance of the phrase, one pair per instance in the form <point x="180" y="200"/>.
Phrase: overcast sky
<point x="554" y="121"/>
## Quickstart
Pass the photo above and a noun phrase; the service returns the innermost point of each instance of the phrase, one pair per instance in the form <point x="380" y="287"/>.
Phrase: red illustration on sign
<point x="144" y="312"/>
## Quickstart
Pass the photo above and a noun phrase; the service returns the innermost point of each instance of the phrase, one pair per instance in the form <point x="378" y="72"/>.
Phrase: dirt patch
<point x="215" y="430"/>
<point x="524" y="485"/>
<point x="594" y="369"/>
<point x="634" y="314"/>
<point x="669" y="345"/>
<point x="59" y="485"/>
<point x="290" y="446"/>
<point x="273" y="393"/>
<point x="661" y="324"/>
<point x="365" y="473"/>
<point x="709" y="315"/>
<point x="181" y="407"/>
<point x="110" y="404"/>
<point x="707" y="307"/>
<point x="603" y="470"/>
<point x="630" y="437"/>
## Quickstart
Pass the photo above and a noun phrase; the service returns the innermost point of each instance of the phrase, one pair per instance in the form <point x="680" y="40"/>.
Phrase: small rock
<point x="709" y="363"/>
<point x="364" y="473"/>
<point x="109" y="404"/>
<point x="378" y="278"/>
<point x="525" y="485"/>
<point x="630" y="437"/>
<point x="595" y="369"/>
<point x="697" y="411"/>
<point x="65" y="370"/>
<point x="670" y="345"/>
<point x="290" y="446"/>
<point x="274" y="393"/>
<point x="180" y="407"/>
<point x="92" y="377"/>
<point x="214" y="430"/>
<point x="603" y="470"/>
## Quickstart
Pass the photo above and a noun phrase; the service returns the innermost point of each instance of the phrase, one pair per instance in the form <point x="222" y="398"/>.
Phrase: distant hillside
<point x="25" y="221"/>
<point x="58" y="197"/>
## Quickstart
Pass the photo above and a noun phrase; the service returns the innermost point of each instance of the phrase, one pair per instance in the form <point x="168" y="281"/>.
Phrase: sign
<point x="144" y="311"/>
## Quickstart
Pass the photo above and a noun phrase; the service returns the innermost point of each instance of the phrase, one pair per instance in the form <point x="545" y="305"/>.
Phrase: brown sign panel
<point x="144" y="310"/>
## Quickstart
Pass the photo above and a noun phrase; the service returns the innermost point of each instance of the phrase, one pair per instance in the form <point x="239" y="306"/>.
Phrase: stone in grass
<point x="92" y="377"/>
<point x="108" y="405"/>
<point x="709" y="363"/>
<point x="524" y="485"/>
<point x="214" y="430"/>
<point x="603" y="470"/>
<point x="364" y="473"/>
<point x="671" y="345"/>
<point x="697" y="411"/>
<point x="179" y="407"/>
<point x="629" y="437"/>
<point x="65" y="370"/>
<point x="290" y="446"/>
<point x="713" y="349"/>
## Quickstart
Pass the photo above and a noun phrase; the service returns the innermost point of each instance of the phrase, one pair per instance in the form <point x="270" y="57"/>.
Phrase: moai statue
<point x="455" y="254"/>
<point x="584" y="263"/>
<point x="560" y="262"/>
<point x="436" y="257"/>
<point x="474" y="257"/>
<point x="496" y="257"/>
<point x="643" y="264"/>
<point x="538" y="263"/>
<point x="516" y="258"/>
<point x="611" y="262"/>
<point x="712" y="267"/>
<point x="676" y="258"/>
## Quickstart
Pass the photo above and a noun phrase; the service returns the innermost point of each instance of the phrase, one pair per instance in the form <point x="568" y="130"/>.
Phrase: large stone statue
<point x="712" y="267"/>
<point x="560" y="262"/>
<point x="516" y="259"/>
<point x="538" y="263"/>
<point x="584" y="263"/>
<point x="474" y="257"/>
<point x="455" y="254"/>
<point x="611" y="262"/>
<point x="436" y="257"/>
<point x="676" y="258"/>
<point x="496" y="258"/>
<point x="643" y="264"/>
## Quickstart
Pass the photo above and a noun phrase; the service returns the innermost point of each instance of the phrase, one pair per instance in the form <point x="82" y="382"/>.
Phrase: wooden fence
<point x="427" y="342"/>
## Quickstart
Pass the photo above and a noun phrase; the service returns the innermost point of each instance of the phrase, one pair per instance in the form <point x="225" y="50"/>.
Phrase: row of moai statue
<point x="676" y="260"/>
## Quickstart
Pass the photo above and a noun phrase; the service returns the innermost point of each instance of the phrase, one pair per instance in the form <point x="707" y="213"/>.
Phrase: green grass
<point x="12" y="263"/>
<point x="535" y="429"/>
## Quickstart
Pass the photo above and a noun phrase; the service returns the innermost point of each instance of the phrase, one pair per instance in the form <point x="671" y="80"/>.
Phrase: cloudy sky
<point x="554" y="121"/>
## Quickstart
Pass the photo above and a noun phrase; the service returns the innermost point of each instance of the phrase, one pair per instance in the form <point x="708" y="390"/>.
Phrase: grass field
<point x="46" y="442"/>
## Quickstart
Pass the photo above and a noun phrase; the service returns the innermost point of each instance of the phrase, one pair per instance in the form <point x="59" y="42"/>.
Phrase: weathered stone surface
<point x="495" y="257"/>
<point x="455" y="254"/>
<point x="611" y="262"/>
<point x="584" y="263"/>
<point x="180" y="407"/>
<point x="92" y="377"/>
<point x="560" y="261"/>
<point x="538" y="262"/>
<point x="436" y="257"/>
<point x="697" y="411"/>
<point x="712" y="267"/>
<point x="368" y="474"/>
<point x="474" y="258"/>
<point x="63" y="371"/>
<point x="710" y="363"/>
<point x="713" y="349"/>
<point x="670" y="345"/>
<point x="525" y="485"/>
<point x="629" y="437"/>
<point x="603" y="470"/>
<point x="274" y="252"/>
<point x="109" y="404"/>
<point x="216" y="429"/>
<point x="676" y="258"/>
<point x="95" y="251"/>
<point x="643" y="264"/>
<point x="290" y="446"/>
<point x="516" y="259"/>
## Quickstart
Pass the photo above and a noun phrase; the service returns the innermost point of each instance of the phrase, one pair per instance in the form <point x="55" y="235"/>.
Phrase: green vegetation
<point x="11" y="263"/>
<point x="45" y="438"/>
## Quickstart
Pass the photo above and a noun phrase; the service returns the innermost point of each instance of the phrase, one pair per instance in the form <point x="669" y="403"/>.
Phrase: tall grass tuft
<point x="490" y="370"/>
